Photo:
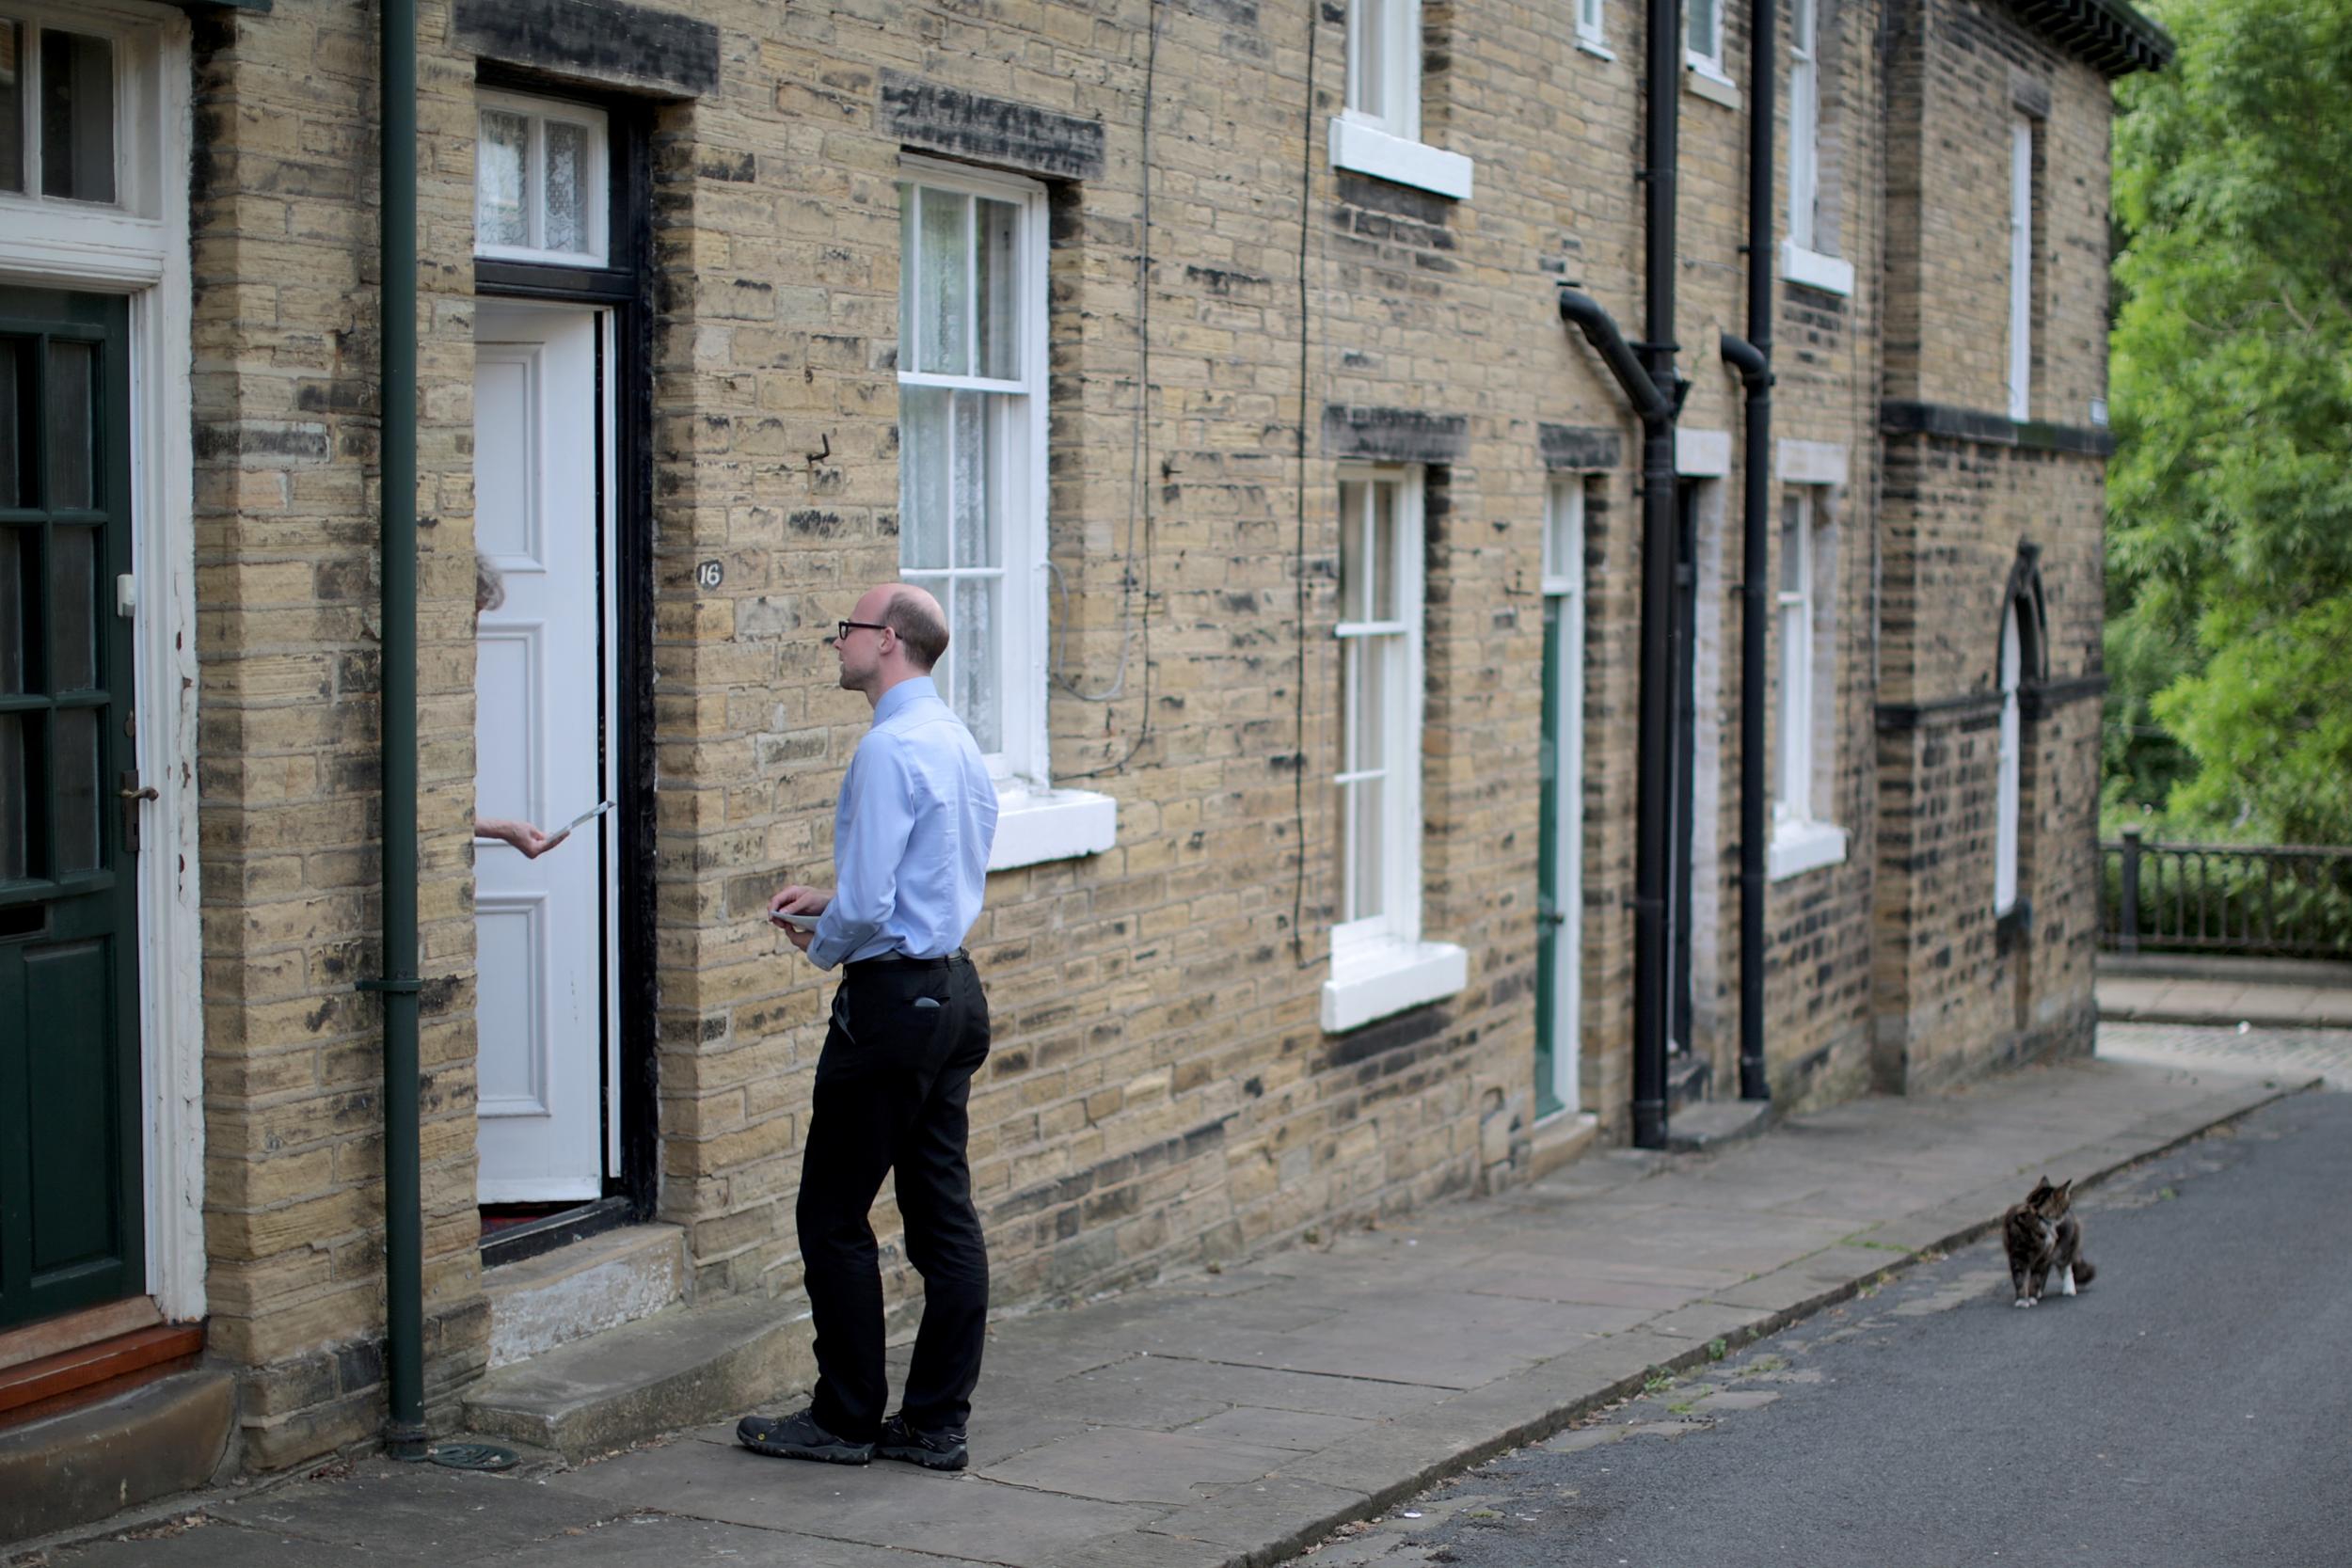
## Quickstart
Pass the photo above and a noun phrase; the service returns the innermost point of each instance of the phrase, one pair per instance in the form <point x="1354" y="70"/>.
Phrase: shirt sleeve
<point x="870" y="835"/>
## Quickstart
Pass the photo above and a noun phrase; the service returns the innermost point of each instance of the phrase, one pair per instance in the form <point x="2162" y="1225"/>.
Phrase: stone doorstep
<point x="683" y="1366"/>
<point x="164" y="1437"/>
<point x="586" y="1288"/>
<point x="1713" y="1123"/>
<point x="1559" y="1140"/>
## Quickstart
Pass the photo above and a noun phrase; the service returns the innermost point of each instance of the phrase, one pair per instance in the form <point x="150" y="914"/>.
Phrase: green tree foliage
<point x="2230" y="527"/>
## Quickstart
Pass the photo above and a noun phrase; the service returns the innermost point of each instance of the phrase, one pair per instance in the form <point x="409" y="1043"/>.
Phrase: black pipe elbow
<point x="1749" y="360"/>
<point x="1583" y="312"/>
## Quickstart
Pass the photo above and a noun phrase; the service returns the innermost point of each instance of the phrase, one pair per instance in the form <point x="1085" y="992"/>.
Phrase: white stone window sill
<point x="1706" y="79"/>
<point x="1830" y="273"/>
<point x="1365" y="148"/>
<point x="1038" y="824"/>
<point x="1799" y="846"/>
<point x="1593" y="46"/>
<point x="1376" y="978"/>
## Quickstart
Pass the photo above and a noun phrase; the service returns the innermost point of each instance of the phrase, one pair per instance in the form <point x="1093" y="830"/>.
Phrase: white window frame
<point x="1706" y="62"/>
<point x="1036" y="821"/>
<point x="1591" y="28"/>
<point x="1379" y="964"/>
<point x="1801" y="257"/>
<point x="2019" y="267"/>
<point x="1803" y="836"/>
<point x="138" y="246"/>
<point x="596" y="177"/>
<point x="2007" y="769"/>
<point x="1384" y="141"/>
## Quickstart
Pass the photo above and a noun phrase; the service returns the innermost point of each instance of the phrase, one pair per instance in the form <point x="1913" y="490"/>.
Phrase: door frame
<point x="1560" y="874"/>
<point x="144" y="255"/>
<point x="625" y="288"/>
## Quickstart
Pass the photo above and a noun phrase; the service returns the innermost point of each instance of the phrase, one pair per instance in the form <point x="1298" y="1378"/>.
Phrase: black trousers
<point x="892" y="1088"/>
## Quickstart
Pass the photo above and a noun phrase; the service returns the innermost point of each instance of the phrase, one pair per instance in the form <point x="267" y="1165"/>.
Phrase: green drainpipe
<point x="403" y="1215"/>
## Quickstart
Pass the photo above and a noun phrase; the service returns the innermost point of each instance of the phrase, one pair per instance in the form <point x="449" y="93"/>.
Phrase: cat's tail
<point x="2085" y="1271"/>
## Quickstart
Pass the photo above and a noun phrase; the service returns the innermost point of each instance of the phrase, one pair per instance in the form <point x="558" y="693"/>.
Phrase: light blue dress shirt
<point x="910" y="835"/>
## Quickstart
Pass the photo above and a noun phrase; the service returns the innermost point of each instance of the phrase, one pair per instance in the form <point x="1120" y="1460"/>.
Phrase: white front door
<point x="540" y="926"/>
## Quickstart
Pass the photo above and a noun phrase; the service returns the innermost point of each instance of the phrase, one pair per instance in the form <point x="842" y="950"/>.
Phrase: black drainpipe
<point x="1655" y="388"/>
<point x="1752" y="359"/>
<point x="403" y="1214"/>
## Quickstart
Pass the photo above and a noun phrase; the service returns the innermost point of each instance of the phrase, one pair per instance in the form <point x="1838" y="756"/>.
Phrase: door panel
<point x="70" y="1231"/>
<point x="539" y="926"/>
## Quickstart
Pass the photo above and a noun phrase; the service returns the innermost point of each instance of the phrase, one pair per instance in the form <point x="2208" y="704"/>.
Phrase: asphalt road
<point x="2191" y="1408"/>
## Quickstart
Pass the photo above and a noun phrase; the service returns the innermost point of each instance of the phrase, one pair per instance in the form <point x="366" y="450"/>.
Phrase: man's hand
<point x="796" y="899"/>
<point x="522" y="835"/>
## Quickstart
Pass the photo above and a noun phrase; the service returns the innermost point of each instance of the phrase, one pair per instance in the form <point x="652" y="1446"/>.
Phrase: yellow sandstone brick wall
<point x="1162" y="1094"/>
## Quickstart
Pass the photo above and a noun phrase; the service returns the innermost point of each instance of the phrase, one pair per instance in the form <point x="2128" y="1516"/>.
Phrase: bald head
<point x="920" y="623"/>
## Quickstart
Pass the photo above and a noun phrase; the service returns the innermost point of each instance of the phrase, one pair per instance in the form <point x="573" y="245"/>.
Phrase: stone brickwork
<point x="1230" y="316"/>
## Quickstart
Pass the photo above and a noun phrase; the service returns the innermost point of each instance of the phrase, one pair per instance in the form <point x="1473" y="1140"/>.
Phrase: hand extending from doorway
<point x="522" y="835"/>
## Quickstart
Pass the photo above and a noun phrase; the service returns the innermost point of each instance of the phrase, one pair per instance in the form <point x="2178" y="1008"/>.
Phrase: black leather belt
<point x="893" y="962"/>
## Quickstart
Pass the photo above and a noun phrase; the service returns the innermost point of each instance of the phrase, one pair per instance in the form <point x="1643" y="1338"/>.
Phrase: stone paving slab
<point x="1234" y="1419"/>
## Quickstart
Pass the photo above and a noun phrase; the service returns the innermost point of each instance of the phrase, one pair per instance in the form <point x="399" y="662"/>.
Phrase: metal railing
<point x="2263" y="899"/>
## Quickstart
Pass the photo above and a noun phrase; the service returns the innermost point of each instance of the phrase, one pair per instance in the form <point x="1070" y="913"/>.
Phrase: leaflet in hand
<point x="589" y="815"/>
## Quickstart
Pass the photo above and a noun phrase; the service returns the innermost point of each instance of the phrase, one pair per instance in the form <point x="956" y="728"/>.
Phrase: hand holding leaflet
<point x="589" y="815"/>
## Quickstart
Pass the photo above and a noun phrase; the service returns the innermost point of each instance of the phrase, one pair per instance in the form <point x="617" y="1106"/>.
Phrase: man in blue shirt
<point x="909" y="1028"/>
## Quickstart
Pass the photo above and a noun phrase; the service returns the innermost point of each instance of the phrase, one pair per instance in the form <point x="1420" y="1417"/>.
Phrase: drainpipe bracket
<point x="398" y="987"/>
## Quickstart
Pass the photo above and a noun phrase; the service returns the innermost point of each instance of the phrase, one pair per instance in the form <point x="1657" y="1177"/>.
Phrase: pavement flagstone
<point x="1234" y="1419"/>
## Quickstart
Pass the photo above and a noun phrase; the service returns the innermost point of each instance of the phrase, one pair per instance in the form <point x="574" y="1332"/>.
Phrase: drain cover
<point x="473" y="1456"/>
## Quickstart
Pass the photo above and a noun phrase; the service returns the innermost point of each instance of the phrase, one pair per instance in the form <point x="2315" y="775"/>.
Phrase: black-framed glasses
<point x="843" y="628"/>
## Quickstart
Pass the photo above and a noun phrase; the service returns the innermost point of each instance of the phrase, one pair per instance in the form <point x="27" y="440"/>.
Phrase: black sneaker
<point x="933" y="1451"/>
<point x="799" y="1437"/>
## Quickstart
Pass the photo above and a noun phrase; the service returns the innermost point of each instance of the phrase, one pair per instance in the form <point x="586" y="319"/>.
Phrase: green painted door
<point x="1549" y="915"/>
<point x="70" y="1188"/>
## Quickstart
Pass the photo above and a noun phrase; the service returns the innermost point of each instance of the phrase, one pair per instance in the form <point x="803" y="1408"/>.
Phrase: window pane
<point x="74" y="606"/>
<point x="1383" y="563"/>
<point x="1351" y="550"/>
<point x="1365" y="850"/>
<point x="502" y="179"/>
<point x="75" y="730"/>
<point x="1365" y="92"/>
<point x="946" y="285"/>
<point x="998" y="259"/>
<point x="1702" y="30"/>
<point x="566" y="223"/>
<point x="1368" y="717"/>
<point x="15" y="361"/>
<point x="1793" y="545"/>
<point x="73" y="426"/>
<point x="19" y="547"/>
<point x="924" y="453"/>
<point x="11" y="106"/>
<point x="975" y="530"/>
<point x="13" y="781"/>
<point x="972" y="633"/>
<point x="77" y="117"/>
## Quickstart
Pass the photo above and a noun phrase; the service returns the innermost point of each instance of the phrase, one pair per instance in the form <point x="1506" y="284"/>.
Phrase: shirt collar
<point x="906" y="692"/>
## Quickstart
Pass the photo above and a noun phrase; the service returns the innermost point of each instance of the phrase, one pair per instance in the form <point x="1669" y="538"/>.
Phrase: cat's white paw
<point x="2066" y="1286"/>
<point x="2023" y="1301"/>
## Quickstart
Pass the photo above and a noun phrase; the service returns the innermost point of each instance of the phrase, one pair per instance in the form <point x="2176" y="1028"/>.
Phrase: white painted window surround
<point x="1804" y="730"/>
<point x="973" y="434"/>
<point x="1378" y="132"/>
<point x="1591" y="28"/>
<point x="2006" y="779"/>
<point x="2020" y="268"/>
<point x="1702" y="39"/>
<point x="1380" y="963"/>
<point x="138" y="246"/>
<point x="1804" y="255"/>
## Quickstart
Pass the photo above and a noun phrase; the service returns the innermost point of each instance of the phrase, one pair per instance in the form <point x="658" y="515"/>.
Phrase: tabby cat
<point x="2042" y="1235"/>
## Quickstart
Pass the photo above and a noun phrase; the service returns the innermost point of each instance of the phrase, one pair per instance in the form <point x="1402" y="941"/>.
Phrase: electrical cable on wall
<point x="1298" y="562"/>
<point x="1139" y="485"/>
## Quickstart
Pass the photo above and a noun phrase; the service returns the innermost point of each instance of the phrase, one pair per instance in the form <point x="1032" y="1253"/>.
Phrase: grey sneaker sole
<point x="915" y="1453"/>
